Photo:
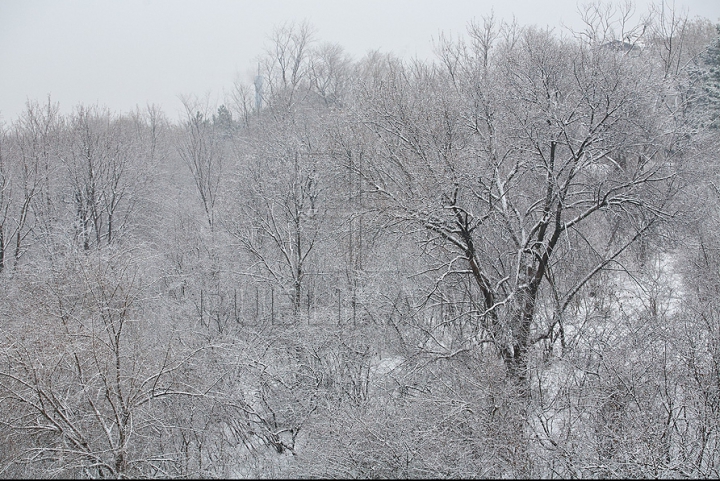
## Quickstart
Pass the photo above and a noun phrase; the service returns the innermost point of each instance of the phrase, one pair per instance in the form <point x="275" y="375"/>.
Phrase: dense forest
<point x="504" y="262"/>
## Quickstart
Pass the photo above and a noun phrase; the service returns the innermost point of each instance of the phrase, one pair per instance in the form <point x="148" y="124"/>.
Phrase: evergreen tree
<point x="707" y="80"/>
<point x="224" y="121"/>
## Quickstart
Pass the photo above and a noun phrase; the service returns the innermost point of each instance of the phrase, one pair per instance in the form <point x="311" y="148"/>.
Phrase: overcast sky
<point x="134" y="52"/>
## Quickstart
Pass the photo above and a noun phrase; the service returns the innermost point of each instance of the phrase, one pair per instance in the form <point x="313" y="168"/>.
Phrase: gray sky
<point x="133" y="52"/>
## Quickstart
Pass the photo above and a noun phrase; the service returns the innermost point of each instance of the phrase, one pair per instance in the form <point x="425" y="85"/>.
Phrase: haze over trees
<point x="501" y="263"/>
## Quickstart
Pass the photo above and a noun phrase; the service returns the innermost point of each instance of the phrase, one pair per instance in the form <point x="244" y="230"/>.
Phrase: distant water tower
<point x="258" y="90"/>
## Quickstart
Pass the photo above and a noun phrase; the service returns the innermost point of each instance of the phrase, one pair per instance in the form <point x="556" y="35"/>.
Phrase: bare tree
<point x="30" y="151"/>
<point x="281" y="216"/>
<point x="243" y="101"/>
<point x="104" y="176"/>
<point x="202" y="151"/>
<point x="286" y="65"/>
<point x="570" y="154"/>
<point x="91" y="392"/>
<point x="329" y="71"/>
<point x="612" y="25"/>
